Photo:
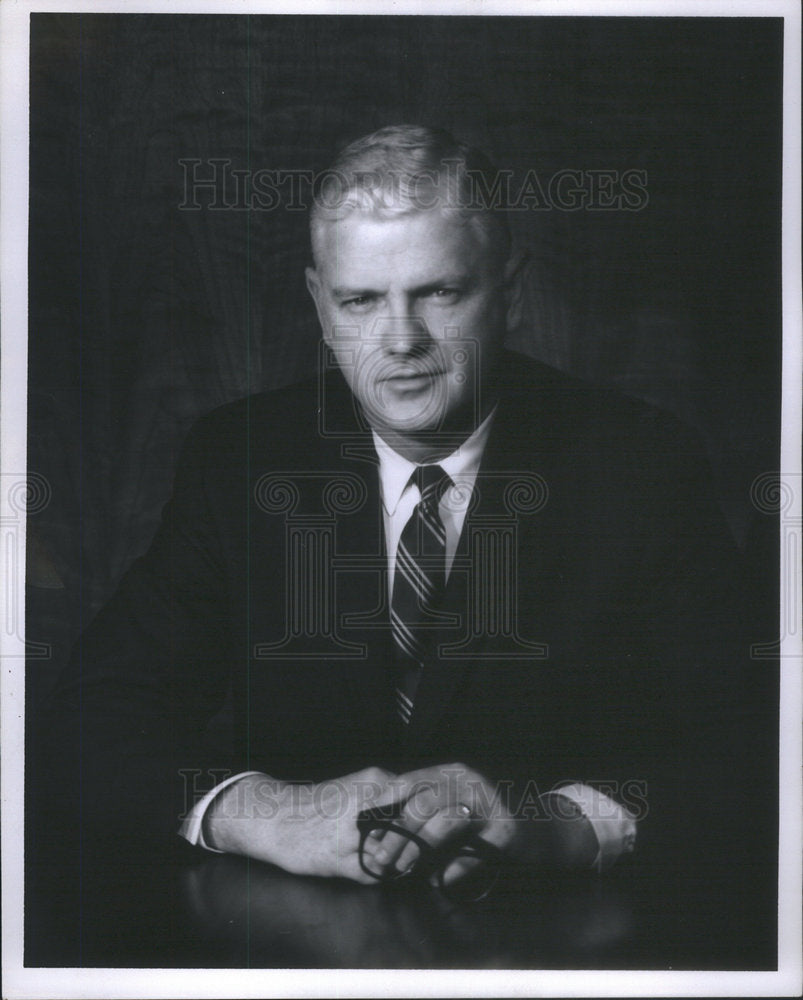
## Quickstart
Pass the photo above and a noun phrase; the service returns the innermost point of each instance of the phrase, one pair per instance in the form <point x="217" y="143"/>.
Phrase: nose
<point x="403" y="334"/>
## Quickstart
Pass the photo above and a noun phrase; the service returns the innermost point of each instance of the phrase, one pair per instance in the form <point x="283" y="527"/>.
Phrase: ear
<point x="515" y="272"/>
<point x="315" y="289"/>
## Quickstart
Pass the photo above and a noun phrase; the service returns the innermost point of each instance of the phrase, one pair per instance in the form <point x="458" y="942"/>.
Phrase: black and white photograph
<point x="401" y="499"/>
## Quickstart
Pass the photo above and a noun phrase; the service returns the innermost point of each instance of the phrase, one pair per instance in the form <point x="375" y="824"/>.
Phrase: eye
<point x="445" y="295"/>
<point x="358" y="303"/>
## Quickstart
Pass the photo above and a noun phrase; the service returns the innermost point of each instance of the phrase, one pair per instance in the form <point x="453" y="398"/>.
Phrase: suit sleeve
<point x="126" y="746"/>
<point x="649" y="693"/>
<point x="693" y="715"/>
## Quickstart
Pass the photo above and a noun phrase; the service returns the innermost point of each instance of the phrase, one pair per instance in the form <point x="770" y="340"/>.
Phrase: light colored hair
<point x="410" y="168"/>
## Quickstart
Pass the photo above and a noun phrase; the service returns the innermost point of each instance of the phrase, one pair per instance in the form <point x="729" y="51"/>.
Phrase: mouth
<point x="412" y="377"/>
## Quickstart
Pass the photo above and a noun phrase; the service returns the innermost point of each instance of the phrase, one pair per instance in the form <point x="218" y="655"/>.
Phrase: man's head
<point x="413" y="281"/>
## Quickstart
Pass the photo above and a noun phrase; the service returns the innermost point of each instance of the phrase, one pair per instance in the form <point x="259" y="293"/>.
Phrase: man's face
<point x="412" y="308"/>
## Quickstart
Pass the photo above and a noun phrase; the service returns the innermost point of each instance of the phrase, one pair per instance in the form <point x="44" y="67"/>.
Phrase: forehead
<point x="415" y="245"/>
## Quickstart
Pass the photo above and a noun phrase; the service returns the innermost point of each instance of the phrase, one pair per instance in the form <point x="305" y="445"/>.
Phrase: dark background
<point x="144" y="315"/>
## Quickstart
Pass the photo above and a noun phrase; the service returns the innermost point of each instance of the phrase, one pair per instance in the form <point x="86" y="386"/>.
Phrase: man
<point x="441" y="576"/>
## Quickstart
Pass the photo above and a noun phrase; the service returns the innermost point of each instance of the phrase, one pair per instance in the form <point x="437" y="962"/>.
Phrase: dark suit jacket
<point x="611" y="652"/>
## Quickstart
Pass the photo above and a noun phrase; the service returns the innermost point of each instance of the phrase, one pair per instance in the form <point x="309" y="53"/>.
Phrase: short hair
<point x="411" y="168"/>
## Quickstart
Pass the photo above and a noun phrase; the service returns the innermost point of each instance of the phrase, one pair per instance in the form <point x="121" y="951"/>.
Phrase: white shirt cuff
<point x="192" y="827"/>
<point x="613" y="825"/>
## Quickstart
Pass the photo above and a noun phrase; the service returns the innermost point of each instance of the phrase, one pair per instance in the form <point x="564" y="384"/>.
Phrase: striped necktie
<point x="418" y="584"/>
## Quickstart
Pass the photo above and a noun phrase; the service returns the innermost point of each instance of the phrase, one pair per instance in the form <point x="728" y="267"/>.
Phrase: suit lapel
<point x="362" y="601"/>
<point x="450" y="668"/>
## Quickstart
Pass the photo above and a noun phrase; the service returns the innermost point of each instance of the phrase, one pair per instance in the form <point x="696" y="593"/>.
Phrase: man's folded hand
<point x="307" y="829"/>
<point x="452" y="802"/>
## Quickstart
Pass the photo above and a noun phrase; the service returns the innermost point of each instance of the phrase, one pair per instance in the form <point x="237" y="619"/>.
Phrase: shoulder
<point x="593" y="442"/>
<point x="298" y="426"/>
<point x="279" y="422"/>
<point x="291" y="401"/>
<point x="560" y="412"/>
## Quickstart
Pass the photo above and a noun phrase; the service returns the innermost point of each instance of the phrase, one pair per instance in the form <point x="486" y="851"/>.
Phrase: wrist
<point x="229" y="821"/>
<point x="558" y="836"/>
<point x="570" y="839"/>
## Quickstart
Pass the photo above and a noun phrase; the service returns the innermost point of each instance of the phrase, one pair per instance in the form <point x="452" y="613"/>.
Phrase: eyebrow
<point x="341" y="292"/>
<point x="463" y="280"/>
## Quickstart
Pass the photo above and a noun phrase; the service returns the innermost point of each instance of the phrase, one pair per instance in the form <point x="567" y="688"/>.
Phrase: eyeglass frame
<point x="432" y="859"/>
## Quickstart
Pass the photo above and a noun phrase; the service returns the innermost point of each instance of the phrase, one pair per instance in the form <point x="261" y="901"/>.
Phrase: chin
<point x="408" y="429"/>
<point x="413" y="422"/>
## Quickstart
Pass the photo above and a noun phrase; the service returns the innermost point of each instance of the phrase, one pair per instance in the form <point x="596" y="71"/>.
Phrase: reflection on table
<point x="127" y="905"/>
<point x="284" y="920"/>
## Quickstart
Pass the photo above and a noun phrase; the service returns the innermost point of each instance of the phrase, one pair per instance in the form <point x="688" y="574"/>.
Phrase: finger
<point x="373" y="869"/>
<point x="418" y="810"/>
<point x="349" y="867"/>
<point x="459" y="868"/>
<point x="446" y="824"/>
<point x="368" y="858"/>
<point x="391" y="846"/>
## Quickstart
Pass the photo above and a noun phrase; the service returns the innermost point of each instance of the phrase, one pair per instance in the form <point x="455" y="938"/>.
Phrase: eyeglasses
<point x="432" y="862"/>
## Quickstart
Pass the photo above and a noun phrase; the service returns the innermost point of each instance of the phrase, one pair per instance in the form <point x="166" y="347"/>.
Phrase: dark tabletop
<point x="123" y="906"/>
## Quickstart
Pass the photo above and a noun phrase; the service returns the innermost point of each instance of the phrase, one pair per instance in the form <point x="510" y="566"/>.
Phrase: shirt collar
<point x="463" y="464"/>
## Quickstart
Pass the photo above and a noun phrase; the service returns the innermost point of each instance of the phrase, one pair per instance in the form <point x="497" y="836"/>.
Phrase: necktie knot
<point x="432" y="483"/>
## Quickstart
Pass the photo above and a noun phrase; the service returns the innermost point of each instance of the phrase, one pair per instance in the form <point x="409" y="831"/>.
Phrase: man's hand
<point x="443" y="803"/>
<point x="451" y="801"/>
<point x="304" y="829"/>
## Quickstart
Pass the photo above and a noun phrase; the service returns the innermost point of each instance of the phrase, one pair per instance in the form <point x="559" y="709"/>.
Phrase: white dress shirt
<point x="400" y="496"/>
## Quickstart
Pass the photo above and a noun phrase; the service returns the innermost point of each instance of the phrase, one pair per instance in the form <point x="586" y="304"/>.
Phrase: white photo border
<point x="21" y="982"/>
